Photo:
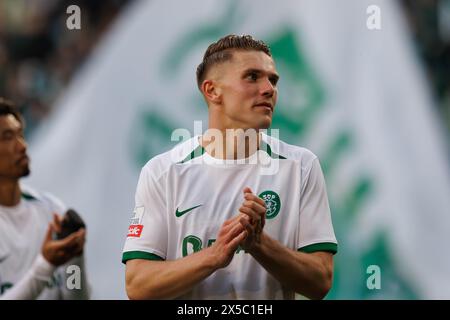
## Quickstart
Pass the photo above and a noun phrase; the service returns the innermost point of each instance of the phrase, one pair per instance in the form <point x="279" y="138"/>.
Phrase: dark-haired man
<point x="29" y="254"/>
<point x="209" y="221"/>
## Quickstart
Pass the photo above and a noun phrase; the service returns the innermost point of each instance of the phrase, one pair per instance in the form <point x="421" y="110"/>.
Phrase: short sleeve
<point x="316" y="231"/>
<point x="147" y="233"/>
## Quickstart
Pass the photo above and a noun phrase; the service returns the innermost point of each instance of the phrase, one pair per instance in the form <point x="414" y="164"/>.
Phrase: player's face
<point x="14" y="162"/>
<point x="248" y="90"/>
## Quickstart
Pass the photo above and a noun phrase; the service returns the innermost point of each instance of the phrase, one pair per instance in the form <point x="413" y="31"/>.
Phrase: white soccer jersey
<point x="22" y="231"/>
<point x="184" y="196"/>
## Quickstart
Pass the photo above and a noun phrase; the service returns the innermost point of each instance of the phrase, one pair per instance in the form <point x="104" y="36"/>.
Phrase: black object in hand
<point x="72" y="222"/>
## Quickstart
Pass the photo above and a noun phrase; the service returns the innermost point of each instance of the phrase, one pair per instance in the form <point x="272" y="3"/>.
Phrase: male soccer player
<point x="29" y="254"/>
<point x="209" y="223"/>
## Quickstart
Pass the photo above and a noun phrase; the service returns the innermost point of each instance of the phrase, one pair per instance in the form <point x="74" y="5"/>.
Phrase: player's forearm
<point x="305" y="273"/>
<point x="32" y="283"/>
<point x="167" y="279"/>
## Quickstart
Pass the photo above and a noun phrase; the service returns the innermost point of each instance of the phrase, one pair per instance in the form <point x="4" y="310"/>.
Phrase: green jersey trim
<point x="324" y="246"/>
<point x="130" y="255"/>
<point x="197" y="152"/>
<point x="265" y="147"/>
<point x="27" y="196"/>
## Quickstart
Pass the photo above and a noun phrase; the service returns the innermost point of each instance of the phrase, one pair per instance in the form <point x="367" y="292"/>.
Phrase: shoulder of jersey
<point x="32" y="195"/>
<point x="174" y="156"/>
<point x="289" y="151"/>
<point x="178" y="153"/>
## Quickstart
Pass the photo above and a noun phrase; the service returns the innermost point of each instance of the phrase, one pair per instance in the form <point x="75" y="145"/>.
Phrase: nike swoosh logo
<point x="180" y="213"/>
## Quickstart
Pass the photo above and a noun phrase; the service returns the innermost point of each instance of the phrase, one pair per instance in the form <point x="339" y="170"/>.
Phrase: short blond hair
<point x="221" y="51"/>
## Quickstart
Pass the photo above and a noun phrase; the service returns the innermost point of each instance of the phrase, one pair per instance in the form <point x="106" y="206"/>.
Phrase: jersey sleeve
<point x="316" y="231"/>
<point x="30" y="286"/>
<point x="147" y="233"/>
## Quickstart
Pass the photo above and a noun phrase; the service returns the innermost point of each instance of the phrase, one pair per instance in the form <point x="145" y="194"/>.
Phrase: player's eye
<point x="273" y="80"/>
<point x="253" y="76"/>
<point x="8" y="135"/>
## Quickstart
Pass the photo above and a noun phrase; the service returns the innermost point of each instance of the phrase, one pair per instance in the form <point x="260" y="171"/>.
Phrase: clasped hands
<point x="252" y="216"/>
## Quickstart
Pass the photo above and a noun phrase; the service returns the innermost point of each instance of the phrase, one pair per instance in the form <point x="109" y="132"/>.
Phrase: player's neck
<point x="230" y="143"/>
<point x="10" y="193"/>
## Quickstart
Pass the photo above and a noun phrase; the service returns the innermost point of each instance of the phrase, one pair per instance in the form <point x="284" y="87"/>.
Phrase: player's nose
<point x="267" y="88"/>
<point x="22" y="144"/>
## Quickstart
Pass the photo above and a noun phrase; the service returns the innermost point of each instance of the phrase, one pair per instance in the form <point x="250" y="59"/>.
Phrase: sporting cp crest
<point x="273" y="203"/>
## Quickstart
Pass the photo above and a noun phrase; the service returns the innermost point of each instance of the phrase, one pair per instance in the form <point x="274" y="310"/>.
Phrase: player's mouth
<point x="265" y="105"/>
<point x="23" y="160"/>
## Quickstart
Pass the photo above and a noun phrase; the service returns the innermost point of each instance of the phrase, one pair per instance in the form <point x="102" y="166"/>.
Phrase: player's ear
<point x="211" y="91"/>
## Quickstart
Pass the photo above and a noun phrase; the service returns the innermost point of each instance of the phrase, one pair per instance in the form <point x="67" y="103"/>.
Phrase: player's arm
<point x="75" y="285"/>
<point x="30" y="286"/>
<point x="147" y="279"/>
<point x="53" y="254"/>
<point x="309" y="274"/>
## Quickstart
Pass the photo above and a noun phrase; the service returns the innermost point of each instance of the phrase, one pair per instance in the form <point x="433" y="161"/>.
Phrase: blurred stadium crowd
<point x="429" y="22"/>
<point x="39" y="55"/>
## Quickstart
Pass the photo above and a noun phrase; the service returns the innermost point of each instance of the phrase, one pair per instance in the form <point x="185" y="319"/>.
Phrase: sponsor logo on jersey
<point x="138" y="213"/>
<point x="273" y="203"/>
<point x="180" y="213"/>
<point x="192" y="244"/>
<point x="135" y="230"/>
